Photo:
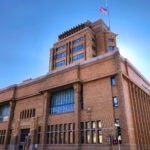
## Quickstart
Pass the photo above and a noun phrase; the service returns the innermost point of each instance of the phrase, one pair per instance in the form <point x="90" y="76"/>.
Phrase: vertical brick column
<point x="46" y="101"/>
<point x="77" y="92"/>
<point x="11" y="105"/>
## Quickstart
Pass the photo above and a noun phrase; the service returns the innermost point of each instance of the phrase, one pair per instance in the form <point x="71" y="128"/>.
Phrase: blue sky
<point x="28" y="28"/>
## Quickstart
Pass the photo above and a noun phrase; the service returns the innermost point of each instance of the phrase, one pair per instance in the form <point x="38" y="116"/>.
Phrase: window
<point x="82" y="132"/>
<point x="62" y="101"/>
<point x="4" y="112"/>
<point x="93" y="55"/>
<point x="110" y="48"/>
<point x="60" y="48"/>
<point x="65" y="133"/>
<point x="60" y="134"/>
<point x="113" y="81"/>
<point x="88" y="132"/>
<point x="70" y="133"/>
<point x="52" y="134"/>
<point x="117" y="122"/>
<point x="56" y="134"/>
<point x="99" y="136"/>
<point x="93" y="40"/>
<point x="93" y="133"/>
<point x="78" y="40"/>
<point x="9" y="136"/>
<point x="78" y="56"/>
<point x="94" y="48"/>
<point x="108" y="140"/>
<point x="61" y="55"/>
<point x="110" y="40"/>
<point x="48" y="133"/>
<point x="115" y="101"/>
<point x="81" y="97"/>
<point x="75" y="49"/>
<point x="27" y="113"/>
<point x="99" y="131"/>
<point x="2" y="136"/>
<point x="99" y="124"/>
<point x="39" y="135"/>
<point x="61" y="63"/>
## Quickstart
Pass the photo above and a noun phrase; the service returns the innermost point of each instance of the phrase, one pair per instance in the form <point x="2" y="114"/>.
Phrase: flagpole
<point x="108" y="13"/>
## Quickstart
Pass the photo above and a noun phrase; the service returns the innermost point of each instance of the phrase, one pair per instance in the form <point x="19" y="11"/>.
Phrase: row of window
<point x="91" y="132"/>
<point x="61" y="55"/>
<point x="82" y="46"/>
<point x="75" y="49"/>
<point x="61" y="134"/>
<point x="74" y="58"/>
<point x="60" y="48"/>
<point x="2" y="136"/>
<point x="75" y="41"/>
<point x="4" y="112"/>
<point x="78" y="40"/>
<point x="78" y="56"/>
<point x="61" y="63"/>
<point x="27" y="113"/>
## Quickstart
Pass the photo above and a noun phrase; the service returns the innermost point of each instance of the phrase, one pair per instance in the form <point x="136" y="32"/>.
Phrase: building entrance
<point x="24" y="134"/>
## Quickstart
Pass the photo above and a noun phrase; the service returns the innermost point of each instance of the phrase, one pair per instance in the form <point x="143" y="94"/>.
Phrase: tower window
<point x="115" y="101"/>
<point x="78" y="40"/>
<point x="61" y="55"/>
<point x="60" y="48"/>
<point x="78" y="56"/>
<point x="94" y="48"/>
<point x="110" y="48"/>
<point x="75" y="49"/>
<point x="110" y="40"/>
<point x="113" y="81"/>
<point x="61" y="63"/>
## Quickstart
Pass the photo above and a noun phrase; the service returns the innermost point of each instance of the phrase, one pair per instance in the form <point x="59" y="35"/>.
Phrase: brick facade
<point x="91" y="81"/>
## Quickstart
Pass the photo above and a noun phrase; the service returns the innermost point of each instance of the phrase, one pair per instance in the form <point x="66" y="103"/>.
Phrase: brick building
<point x="91" y="98"/>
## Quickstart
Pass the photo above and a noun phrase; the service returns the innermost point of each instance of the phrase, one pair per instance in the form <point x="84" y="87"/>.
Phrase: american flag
<point x="103" y="10"/>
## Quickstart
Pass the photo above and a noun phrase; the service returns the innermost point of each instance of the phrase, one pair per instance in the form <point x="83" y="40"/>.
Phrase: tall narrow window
<point x="115" y="101"/>
<point x="39" y="135"/>
<point x="70" y="133"/>
<point x="60" y="134"/>
<point x="108" y="140"/>
<point x="82" y="132"/>
<point x="65" y="133"/>
<point x="117" y="122"/>
<point x="99" y="126"/>
<point x="48" y="132"/>
<point x="56" y="134"/>
<point x="93" y="133"/>
<point x="88" y="132"/>
<point x="81" y="97"/>
<point x="52" y="134"/>
<point x="9" y="138"/>
<point x="113" y="81"/>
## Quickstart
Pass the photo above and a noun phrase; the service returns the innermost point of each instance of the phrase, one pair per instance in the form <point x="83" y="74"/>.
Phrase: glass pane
<point x="94" y="137"/>
<point x="99" y="124"/>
